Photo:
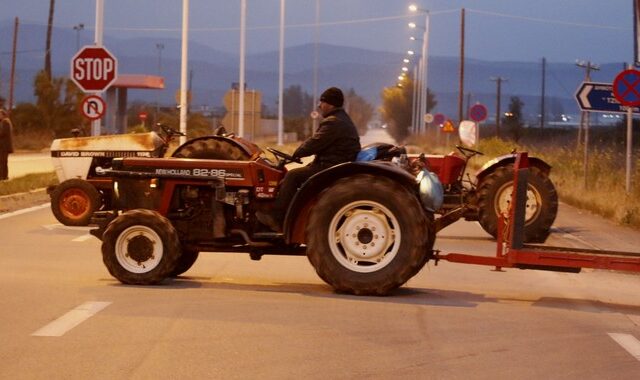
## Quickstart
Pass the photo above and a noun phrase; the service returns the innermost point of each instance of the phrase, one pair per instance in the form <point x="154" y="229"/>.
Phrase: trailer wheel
<point x="140" y="247"/>
<point x="367" y="235"/>
<point x="541" y="207"/>
<point x="211" y="148"/>
<point x="74" y="201"/>
<point x="185" y="262"/>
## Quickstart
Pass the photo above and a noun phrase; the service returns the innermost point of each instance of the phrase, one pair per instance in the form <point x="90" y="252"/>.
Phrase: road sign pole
<point x="95" y="124"/>
<point x="629" y="148"/>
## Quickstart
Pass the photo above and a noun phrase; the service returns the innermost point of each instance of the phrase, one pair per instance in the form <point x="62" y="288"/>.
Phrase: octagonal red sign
<point x="94" y="68"/>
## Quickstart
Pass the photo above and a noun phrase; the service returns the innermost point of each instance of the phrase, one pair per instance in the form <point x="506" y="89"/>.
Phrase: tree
<point x="53" y="114"/>
<point x="397" y="108"/>
<point x="513" y="119"/>
<point x="359" y="110"/>
<point x="296" y="102"/>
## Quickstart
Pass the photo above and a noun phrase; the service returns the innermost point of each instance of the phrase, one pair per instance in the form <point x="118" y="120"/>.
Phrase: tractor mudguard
<point x="491" y="165"/>
<point x="246" y="146"/>
<point x="298" y="212"/>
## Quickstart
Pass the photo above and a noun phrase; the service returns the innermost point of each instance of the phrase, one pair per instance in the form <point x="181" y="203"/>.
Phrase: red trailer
<point x="512" y="252"/>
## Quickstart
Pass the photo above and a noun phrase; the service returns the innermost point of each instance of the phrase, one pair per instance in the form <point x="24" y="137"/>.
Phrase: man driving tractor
<point x="335" y="141"/>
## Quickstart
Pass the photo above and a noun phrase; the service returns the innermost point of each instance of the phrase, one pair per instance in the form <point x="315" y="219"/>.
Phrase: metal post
<point x="159" y="47"/>
<point x="243" y="28"/>
<point x="425" y="66"/>
<point x="95" y="125"/>
<point x="13" y="65"/>
<point x="461" y="90"/>
<point x="184" y="70"/>
<point x="281" y="76"/>
<point x="629" y="146"/>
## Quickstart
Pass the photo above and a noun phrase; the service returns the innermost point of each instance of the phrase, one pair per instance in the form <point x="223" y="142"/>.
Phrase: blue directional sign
<point x="599" y="97"/>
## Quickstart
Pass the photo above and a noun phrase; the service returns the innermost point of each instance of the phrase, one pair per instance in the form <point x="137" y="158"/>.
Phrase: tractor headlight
<point x="430" y="189"/>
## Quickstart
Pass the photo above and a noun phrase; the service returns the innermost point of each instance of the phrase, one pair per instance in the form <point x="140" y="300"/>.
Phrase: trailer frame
<point x="512" y="252"/>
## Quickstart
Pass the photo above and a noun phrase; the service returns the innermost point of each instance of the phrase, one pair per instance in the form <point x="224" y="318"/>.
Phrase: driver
<point x="335" y="141"/>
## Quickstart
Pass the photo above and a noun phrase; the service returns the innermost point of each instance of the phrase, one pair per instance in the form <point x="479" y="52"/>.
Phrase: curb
<point x="17" y="201"/>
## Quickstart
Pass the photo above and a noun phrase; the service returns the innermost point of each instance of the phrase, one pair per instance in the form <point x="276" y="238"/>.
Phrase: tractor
<point x="366" y="226"/>
<point x="81" y="191"/>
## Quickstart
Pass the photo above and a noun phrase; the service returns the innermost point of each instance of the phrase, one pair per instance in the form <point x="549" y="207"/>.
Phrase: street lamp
<point x="424" y="63"/>
<point x="159" y="47"/>
<point x="78" y="28"/>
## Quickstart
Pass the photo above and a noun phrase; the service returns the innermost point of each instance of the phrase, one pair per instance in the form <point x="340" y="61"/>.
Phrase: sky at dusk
<point x="512" y="30"/>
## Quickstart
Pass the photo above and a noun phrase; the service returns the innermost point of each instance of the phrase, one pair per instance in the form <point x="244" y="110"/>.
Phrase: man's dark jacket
<point x="6" y="145"/>
<point x="335" y="141"/>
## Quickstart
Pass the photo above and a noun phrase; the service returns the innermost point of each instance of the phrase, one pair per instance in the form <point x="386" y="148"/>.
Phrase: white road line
<point x="628" y="342"/>
<point x="82" y="238"/>
<point x="71" y="319"/>
<point x="24" y="211"/>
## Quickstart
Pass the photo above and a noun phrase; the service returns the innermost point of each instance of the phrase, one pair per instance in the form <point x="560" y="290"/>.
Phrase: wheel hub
<point x="75" y="203"/>
<point x="365" y="236"/>
<point x="140" y="248"/>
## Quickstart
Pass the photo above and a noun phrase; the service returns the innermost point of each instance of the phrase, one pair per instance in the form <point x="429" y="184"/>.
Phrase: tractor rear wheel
<point x="212" y="149"/>
<point x="74" y="201"/>
<point x="541" y="207"/>
<point x="140" y="247"/>
<point x="368" y="235"/>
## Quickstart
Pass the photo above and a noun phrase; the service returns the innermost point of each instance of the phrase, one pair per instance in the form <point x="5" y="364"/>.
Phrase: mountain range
<point x="366" y="71"/>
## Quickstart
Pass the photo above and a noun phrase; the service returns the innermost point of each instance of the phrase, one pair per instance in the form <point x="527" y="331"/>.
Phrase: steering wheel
<point x="285" y="157"/>
<point x="468" y="152"/>
<point x="170" y="131"/>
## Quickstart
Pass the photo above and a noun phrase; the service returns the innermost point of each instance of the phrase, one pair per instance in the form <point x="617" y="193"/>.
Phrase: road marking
<point x="628" y="342"/>
<point x="24" y="211"/>
<point x="634" y="319"/>
<point x="82" y="238"/>
<point x="71" y="319"/>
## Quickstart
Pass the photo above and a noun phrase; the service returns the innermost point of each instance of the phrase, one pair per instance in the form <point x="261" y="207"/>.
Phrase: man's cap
<point x="333" y="96"/>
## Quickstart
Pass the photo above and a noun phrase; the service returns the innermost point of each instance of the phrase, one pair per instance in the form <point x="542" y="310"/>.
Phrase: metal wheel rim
<point x="532" y="207"/>
<point x="74" y="203"/>
<point x="364" y="236"/>
<point x="129" y="263"/>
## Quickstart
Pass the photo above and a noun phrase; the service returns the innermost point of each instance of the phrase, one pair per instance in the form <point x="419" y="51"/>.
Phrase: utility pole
<point x="542" y="93"/>
<point x="78" y="28"/>
<point x="584" y="115"/>
<point x="13" y="65"/>
<point x="498" y="81"/>
<point x="584" y="119"/>
<point x="47" y="53"/>
<point x="159" y="47"/>
<point x="461" y="89"/>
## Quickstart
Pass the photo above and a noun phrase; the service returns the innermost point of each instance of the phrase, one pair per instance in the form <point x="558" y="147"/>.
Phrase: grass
<point x="27" y="183"/>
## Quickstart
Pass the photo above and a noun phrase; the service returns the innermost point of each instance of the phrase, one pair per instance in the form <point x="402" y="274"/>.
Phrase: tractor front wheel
<point x="368" y="235"/>
<point x="74" y="201"/>
<point x="140" y="247"/>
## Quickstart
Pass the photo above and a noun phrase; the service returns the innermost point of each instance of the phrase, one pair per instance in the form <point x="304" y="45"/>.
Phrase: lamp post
<point x="422" y="107"/>
<point x="159" y="47"/>
<point x="78" y="28"/>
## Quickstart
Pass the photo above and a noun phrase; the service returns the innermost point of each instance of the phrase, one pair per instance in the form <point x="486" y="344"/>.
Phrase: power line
<point x="547" y="21"/>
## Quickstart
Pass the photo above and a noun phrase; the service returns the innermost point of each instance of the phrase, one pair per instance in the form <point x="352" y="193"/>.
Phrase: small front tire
<point x="74" y="201"/>
<point x="140" y="247"/>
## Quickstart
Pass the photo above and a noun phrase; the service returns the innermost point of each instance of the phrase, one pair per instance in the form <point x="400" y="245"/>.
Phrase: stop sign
<point x="94" y="68"/>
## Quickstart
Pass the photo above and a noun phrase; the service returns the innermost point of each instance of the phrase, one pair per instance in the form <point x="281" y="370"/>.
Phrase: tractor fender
<point x="246" y="146"/>
<point x="301" y="204"/>
<point x="491" y="165"/>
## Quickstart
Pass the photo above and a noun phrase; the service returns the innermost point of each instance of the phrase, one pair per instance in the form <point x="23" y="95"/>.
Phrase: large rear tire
<point x="212" y="149"/>
<point x="541" y="207"/>
<point x="367" y="235"/>
<point x="140" y="247"/>
<point x="74" y="201"/>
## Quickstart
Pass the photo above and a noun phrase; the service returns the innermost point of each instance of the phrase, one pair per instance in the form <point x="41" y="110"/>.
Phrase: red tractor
<point x="366" y="226"/>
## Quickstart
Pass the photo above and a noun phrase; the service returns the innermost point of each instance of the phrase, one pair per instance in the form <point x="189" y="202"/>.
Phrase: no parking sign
<point x="626" y="88"/>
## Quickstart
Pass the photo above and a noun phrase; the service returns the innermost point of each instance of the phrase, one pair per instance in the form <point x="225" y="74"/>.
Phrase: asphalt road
<point x="63" y="316"/>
